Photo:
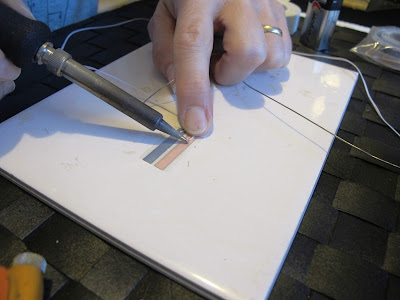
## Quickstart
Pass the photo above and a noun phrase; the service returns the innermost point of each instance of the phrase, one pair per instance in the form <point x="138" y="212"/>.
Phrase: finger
<point x="19" y="6"/>
<point x="8" y="71"/>
<point x="243" y="41"/>
<point x="161" y="30"/>
<point x="192" y="49"/>
<point x="279" y="47"/>
<point x="6" y="87"/>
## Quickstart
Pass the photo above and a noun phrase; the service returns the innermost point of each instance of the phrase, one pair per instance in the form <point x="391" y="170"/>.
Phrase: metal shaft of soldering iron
<point x="60" y="63"/>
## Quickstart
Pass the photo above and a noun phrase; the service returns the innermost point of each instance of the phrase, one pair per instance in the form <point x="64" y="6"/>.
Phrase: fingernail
<point x="17" y="74"/>
<point x="195" y="120"/>
<point x="23" y="9"/>
<point x="171" y="77"/>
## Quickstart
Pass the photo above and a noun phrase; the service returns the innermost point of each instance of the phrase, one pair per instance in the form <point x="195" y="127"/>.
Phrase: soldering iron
<point x="26" y="42"/>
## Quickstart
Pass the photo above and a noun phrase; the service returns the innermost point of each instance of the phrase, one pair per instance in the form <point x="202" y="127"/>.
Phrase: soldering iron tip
<point x="184" y="139"/>
<point x="166" y="128"/>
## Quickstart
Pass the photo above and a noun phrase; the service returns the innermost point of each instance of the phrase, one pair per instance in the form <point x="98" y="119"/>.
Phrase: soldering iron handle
<point x="20" y="37"/>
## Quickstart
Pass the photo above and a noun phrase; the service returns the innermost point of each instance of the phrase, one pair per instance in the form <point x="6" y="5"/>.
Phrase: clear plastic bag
<point x="381" y="46"/>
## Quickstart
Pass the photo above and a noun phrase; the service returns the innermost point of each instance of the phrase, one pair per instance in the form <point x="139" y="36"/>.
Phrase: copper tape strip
<point x="173" y="154"/>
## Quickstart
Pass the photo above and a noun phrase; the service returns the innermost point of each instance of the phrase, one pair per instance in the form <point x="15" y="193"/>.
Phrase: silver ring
<point x="271" y="29"/>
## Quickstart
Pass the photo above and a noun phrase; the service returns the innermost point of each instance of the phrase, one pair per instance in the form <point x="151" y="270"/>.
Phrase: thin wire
<point x="363" y="80"/>
<point x="171" y="81"/>
<point x="107" y="74"/>
<point x="116" y="78"/>
<point x="326" y="130"/>
<point x="100" y="27"/>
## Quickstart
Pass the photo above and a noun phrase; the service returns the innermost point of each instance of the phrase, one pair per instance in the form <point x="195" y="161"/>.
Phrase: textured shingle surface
<point x="348" y="244"/>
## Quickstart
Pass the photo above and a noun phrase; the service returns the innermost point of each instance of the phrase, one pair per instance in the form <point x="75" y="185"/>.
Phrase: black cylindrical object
<point x="20" y="37"/>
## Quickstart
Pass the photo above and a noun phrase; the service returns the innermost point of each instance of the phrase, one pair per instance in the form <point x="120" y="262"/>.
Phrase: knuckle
<point x="193" y="37"/>
<point x="194" y="86"/>
<point x="275" y="60"/>
<point x="250" y="55"/>
<point x="278" y="7"/>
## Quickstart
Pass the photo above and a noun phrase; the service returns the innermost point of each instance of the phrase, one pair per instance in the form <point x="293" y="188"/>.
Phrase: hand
<point x="182" y="32"/>
<point x="8" y="71"/>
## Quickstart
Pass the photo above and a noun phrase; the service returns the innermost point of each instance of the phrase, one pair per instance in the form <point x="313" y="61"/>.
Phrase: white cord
<point x="363" y="80"/>
<point x="100" y="27"/>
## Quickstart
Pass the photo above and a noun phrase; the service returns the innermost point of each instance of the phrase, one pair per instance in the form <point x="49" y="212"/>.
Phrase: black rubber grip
<point x="20" y="37"/>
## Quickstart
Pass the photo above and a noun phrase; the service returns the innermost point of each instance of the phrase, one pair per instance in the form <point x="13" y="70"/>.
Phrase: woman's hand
<point x="182" y="32"/>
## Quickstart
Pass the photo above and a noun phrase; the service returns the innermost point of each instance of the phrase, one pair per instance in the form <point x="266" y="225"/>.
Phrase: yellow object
<point x="106" y="5"/>
<point x="356" y="4"/>
<point x="3" y="283"/>
<point x="25" y="283"/>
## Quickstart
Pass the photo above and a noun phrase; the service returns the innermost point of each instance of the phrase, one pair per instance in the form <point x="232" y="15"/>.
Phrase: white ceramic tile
<point x="221" y="217"/>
